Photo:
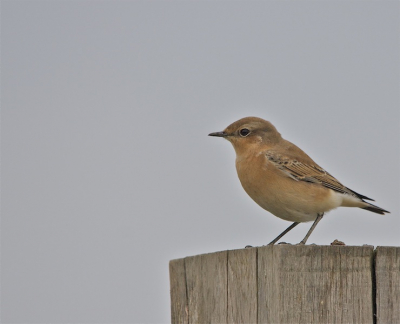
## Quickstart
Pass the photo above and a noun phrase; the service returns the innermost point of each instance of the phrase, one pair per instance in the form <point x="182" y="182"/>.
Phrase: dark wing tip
<point x="376" y="209"/>
<point x="360" y="196"/>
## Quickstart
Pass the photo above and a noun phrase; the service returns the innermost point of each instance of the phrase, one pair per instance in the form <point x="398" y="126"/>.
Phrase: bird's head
<point x="248" y="133"/>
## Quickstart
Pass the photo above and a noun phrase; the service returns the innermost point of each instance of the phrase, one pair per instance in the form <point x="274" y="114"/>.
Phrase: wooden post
<point x="288" y="284"/>
<point x="387" y="274"/>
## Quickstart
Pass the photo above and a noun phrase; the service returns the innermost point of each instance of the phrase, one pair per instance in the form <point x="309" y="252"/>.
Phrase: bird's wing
<point x="301" y="171"/>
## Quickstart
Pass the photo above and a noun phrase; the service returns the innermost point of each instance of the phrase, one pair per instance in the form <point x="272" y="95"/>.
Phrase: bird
<point x="282" y="179"/>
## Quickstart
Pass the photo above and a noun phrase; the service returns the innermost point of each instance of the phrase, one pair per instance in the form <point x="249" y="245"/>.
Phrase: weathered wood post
<point x="288" y="284"/>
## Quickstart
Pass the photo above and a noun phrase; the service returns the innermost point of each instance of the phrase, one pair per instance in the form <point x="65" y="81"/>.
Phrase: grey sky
<point x="107" y="170"/>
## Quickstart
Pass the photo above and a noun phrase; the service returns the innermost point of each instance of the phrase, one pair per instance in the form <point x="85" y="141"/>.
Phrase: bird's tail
<point x="369" y="206"/>
<point x="375" y="209"/>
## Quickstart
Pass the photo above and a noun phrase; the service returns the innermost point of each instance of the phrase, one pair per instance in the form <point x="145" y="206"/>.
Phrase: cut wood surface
<point x="288" y="284"/>
<point x="315" y="284"/>
<point x="242" y="294"/>
<point x="387" y="273"/>
<point x="177" y="279"/>
<point x="206" y="279"/>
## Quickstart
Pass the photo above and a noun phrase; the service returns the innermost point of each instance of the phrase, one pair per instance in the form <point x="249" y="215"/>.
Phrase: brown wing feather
<point x="304" y="172"/>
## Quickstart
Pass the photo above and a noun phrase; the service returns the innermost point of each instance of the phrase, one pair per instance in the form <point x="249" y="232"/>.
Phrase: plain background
<point x="107" y="169"/>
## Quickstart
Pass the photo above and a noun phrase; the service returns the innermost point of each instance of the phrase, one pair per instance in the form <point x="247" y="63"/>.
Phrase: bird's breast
<point x="279" y="194"/>
<point x="255" y="174"/>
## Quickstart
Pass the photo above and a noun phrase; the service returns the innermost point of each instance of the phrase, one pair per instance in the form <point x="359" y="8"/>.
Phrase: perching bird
<point x="284" y="180"/>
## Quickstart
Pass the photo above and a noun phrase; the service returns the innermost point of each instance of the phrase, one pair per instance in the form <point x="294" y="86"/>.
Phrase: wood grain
<point x="177" y="279"/>
<point x="288" y="284"/>
<point x="315" y="284"/>
<point x="242" y="286"/>
<point x="206" y="279"/>
<point x="387" y="274"/>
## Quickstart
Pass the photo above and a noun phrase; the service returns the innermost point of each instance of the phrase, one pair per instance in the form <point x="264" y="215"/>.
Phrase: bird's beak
<point x="218" y="134"/>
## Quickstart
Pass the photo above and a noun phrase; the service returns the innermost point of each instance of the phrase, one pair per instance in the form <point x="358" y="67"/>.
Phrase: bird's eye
<point x="244" y="132"/>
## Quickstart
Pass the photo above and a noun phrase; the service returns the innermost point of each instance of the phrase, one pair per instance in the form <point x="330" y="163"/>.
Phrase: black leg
<point x="283" y="233"/>
<point x="319" y="217"/>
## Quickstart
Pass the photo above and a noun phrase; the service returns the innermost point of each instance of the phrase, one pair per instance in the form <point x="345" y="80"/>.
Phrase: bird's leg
<point x="319" y="217"/>
<point x="283" y="233"/>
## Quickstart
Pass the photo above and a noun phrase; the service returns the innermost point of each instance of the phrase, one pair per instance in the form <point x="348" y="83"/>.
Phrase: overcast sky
<point x="107" y="169"/>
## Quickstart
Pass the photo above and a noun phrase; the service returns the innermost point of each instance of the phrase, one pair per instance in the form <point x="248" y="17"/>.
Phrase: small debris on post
<point x="337" y="242"/>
